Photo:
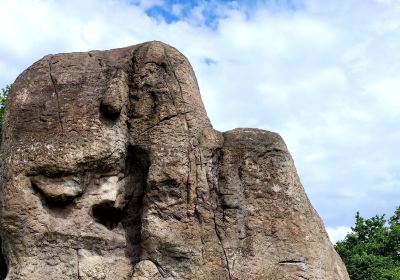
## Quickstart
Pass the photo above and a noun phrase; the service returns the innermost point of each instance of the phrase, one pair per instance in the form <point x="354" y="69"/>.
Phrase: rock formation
<point x="112" y="170"/>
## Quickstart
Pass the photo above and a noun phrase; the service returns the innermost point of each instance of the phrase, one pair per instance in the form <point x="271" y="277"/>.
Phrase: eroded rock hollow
<point x="112" y="170"/>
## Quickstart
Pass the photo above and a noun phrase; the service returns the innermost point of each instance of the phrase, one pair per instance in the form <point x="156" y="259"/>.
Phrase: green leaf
<point x="371" y="251"/>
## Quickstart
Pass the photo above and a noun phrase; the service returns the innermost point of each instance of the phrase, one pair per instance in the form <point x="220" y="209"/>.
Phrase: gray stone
<point x="112" y="170"/>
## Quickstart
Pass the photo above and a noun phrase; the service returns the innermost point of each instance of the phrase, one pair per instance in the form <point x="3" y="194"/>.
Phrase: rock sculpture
<point x="112" y="170"/>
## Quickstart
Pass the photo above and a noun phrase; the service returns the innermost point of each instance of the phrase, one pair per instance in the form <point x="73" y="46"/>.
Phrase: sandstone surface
<point x="112" y="170"/>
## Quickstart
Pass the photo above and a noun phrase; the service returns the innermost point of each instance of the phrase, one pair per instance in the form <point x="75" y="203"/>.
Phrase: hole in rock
<point x="3" y="264"/>
<point x="107" y="215"/>
<point x="109" y="111"/>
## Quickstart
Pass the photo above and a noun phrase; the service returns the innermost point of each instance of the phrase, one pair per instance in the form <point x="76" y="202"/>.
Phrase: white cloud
<point x="325" y="76"/>
<point x="177" y="9"/>
<point x="337" y="233"/>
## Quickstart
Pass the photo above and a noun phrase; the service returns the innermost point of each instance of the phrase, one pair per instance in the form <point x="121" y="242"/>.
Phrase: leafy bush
<point x="372" y="250"/>
<point x="3" y="96"/>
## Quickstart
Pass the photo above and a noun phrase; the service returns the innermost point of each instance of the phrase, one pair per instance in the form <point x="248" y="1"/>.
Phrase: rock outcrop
<point x="112" y="170"/>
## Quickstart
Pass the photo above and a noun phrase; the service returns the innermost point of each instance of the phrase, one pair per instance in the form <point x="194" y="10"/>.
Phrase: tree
<point x="371" y="251"/>
<point x="3" y="96"/>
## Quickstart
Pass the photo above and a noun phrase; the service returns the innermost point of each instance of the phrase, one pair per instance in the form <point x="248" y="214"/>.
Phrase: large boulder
<point x="112" y="170"/>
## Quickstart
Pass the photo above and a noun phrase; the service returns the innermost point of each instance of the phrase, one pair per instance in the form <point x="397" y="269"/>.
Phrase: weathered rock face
<point x="112" y="170"/>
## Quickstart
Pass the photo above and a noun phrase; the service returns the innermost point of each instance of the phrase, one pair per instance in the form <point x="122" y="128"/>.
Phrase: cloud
<point x="337" y="233"/>
<point x="323" y="74"/>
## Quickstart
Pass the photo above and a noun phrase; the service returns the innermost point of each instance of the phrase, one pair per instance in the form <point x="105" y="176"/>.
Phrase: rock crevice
<point x="53" y="82"/>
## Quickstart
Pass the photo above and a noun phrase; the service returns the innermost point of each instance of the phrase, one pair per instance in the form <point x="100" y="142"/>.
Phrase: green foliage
<point x="3" y="96"/>
<point x="372" y="250"/>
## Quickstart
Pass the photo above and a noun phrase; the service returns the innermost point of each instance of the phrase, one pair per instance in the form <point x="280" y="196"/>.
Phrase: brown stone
<point x="112" y="170"/>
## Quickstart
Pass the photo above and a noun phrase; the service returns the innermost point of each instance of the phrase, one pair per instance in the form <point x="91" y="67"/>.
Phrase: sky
<point x="324" y="74"/>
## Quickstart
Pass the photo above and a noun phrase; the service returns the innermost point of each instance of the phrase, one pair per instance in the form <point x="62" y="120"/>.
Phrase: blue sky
<point x="325" y="74"/>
